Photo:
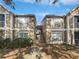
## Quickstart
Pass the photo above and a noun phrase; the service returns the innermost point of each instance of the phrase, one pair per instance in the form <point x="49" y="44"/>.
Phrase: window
<point x="2" y="20"/>
<point x="23" y="35"/>
<point x="77" y="18"/>
<point x="22" y="22"/>
<point x="57" y="23"/>
<point x="76" y="21"/>
<point x="56" y="36"/>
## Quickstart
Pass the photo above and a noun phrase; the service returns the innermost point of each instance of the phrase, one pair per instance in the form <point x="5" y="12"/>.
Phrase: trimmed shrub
<point x="1" y="42"/>
<point x="22" y="42"/>
<point x="7" y="43"/>
<point x="16" y="43"/>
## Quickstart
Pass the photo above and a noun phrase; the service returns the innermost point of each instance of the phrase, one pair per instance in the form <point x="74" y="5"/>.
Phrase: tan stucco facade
<point x="48" y="29"/>
<point x="71" y="25"/>
<point x="11" y="29"/>
<point x="68" y="30"/>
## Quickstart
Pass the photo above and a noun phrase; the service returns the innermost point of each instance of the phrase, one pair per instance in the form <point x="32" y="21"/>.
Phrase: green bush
<point x="1" y="42"/>
<point x="16" y="43"/>
<point x="22" y="42"/>
<point x="7" y="43"/>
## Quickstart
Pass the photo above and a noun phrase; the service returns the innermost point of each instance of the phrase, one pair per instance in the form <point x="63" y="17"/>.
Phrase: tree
<point x="55" y="1"/>
<point x="52" y="1"/>
<point x="10" y="3"/>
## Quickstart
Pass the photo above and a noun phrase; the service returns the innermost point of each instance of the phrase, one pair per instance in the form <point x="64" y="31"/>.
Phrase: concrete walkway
<point x="33" y="56"/>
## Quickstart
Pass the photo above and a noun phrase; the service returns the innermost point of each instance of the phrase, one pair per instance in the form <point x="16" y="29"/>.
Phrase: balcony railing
<point x="76" y="25"/>
<point x="2" y="23"/>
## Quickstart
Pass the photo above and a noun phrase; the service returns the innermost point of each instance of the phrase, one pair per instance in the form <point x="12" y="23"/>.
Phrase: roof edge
<point x="72" y="10"/>
<point x="6" y="9"/>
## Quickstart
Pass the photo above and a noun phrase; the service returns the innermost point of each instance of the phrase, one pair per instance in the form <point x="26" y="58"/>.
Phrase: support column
<point x="5" y="26"/>
<point x="68" y="31"/>
<point x="73" y="40"/>
<point x="11" y="26"/>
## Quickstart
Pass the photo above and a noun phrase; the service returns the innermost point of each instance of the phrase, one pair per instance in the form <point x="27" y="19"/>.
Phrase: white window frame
<point x="23" y="27"/>
<point x="4" y="28"/>
<point x="23" y="36"/>
<point x="55" y="20"/>
<point x="56" y="41"/>
<point x="4" y="21"/>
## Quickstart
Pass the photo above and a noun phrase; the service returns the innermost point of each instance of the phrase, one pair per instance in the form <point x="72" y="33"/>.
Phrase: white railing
<point x="76" y="25"/>
<point x="2" y="23"/>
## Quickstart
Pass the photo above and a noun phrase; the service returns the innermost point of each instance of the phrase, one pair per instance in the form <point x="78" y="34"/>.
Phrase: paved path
<point x="33" y="56"/>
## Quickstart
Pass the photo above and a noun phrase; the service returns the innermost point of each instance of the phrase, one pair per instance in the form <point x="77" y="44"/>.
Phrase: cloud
<point x="41" y="1"/>
<point x="42" y="13"/>
<point x="49" y="2"/>
<point x="31" y="1"/>
<point x="69" y="2"/>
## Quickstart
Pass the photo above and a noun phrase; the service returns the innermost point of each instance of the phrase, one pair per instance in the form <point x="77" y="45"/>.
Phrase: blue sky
<point x="43" y="8"/>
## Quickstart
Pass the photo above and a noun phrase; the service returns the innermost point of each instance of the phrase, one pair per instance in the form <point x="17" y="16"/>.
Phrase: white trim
<point x="73" y="9"/>
<point x="73" y="33"/>
<point x="68" y="29"/>
<point x="5" y="25"/>
<point x="57" y="41"/>
<point x="63" y="38"/>
<point x="11" y="25"/>
<point x="21" y="29"/>
<point x="75" y="15"/>
<point x="11" y="21"/>
<point x="64" y="23"/>
<point x="75" y="29"/>
<point x="21" y="32"/>
<point x="22" y="19"/>
<point x="2" y="28"/>
<point x="59" y="20"/>
<point x="3" y="13"/>
<point x="56" y="29"/>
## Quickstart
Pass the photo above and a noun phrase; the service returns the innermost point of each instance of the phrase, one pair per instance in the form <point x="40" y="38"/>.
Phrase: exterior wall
<point x="9" y="25"/>
<point x="48" y="30"/>
<point x="7" y="28"/>
<point x="75" y="11"/>
<point x="44" y="29"/>
<point x="11" y="28"/>
<point x="71" y="26"/>
<point x="48" y="36"/>
<point x="68" y="30"/>
<point x="31" y="33"/>
<point x="30" y="28"/>
<point x="70" y="34"/>
<point x="39" y="35"/>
